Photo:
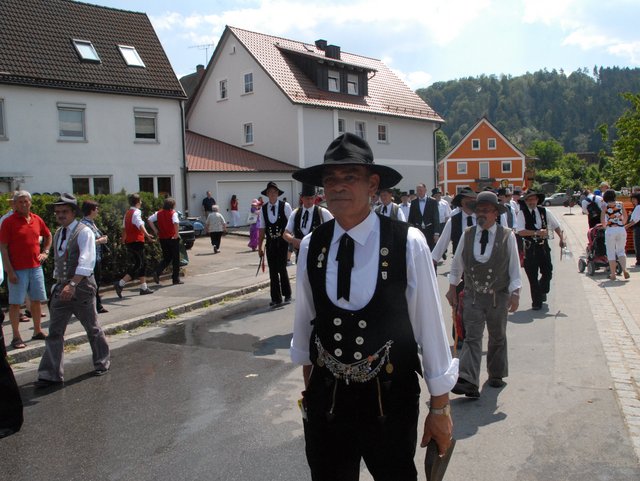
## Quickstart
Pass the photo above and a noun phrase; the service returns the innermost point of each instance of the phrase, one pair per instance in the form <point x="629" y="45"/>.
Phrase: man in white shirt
<point x="487" y="255"/>
<point x="444" y="209"/>
<point x="366" y="298"/>
<point x="306" y="218"/>
<point x="388" y="207"/>
<point x="73" y="294"/>
<point x="405" y="204"/>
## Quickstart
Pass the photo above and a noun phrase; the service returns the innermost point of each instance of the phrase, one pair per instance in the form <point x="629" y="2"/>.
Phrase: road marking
<point x="216" y="272"/>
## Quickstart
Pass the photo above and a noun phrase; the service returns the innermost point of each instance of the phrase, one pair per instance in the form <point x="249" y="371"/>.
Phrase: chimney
<point x="332" y="51"/>
<point x="321" y="44"/>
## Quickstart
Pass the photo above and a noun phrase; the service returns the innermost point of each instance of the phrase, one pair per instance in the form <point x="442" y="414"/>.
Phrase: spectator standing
<point x="634" y="223"/>
<point x="133" y="237"/>
<point x="90" y="213"/>
<point x="168" y="232"/>
<point x="235" y="213"/>
<point x="613" y="219"/>
<point x="215" y="227"/>
<point x="73" y="294"/>
<point x="22" y="257"/>
<point x="254" y="222"/>
<point x="207" y="204"/>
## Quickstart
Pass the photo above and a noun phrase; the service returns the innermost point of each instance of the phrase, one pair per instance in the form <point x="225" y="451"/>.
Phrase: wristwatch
<point x="73" y="284"/>
<point x="444" y="410"/>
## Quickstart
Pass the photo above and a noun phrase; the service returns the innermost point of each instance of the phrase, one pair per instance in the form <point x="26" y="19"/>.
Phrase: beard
<point x="481" y="221"/>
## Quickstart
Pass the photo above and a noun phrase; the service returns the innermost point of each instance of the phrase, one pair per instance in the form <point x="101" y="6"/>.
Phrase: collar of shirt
<point x="70" y="228"/>
<point x="359" y="233"/>
<point x="476" y="243"/>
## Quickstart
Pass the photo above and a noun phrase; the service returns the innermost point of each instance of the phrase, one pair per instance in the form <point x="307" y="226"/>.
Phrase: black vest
<point x="274" y="230"/>
<point x="352" y="336"/>
<point x="316" y="220"/>
<point x="456" y="229"/>
<point x="530" y="220"/>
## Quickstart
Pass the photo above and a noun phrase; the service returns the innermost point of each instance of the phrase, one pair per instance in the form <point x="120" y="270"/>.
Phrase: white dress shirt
<point x="552" y="221"/>
<point x="274" y="217"/>
<point x="87" y="246"/>
<point x="445" y="237"/>
<point x="136" y="218"/>
<point x="457" y="266"/>
<point x="423" y="299"/>
<point x="444" y="209"/>
<point x="324" y="213"/>
<point x="405" y="209"/>
<point x="389" y="208"/>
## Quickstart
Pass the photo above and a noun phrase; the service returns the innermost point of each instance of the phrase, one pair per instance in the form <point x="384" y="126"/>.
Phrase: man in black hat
<point x="424" y="215"/>
<point x="444" y="209"/>
<point x="487" y="255"/>
<point x="534" y="224"/>
<point x="306" y="218"/>
<point x="272" y="223"/>
<point x="504" y="196"/>
<point x="366" y="299"/>
<point x="461" y="218"/>
<point x="74" y="293"/>
<point x="388" y="207"/>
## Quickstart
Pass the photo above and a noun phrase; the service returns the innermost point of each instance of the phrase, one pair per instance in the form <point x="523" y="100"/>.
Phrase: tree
<point x="442" y="144"/>
<point x="548" y="151"/>
<point x="624" y="167"/>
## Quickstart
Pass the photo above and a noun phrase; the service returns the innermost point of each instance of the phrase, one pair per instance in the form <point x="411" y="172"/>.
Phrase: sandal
<point x="41" y="336"/>
<point x="626" y="274"/>
<point x="24" y="318"/>
<point x="18" y="343"/>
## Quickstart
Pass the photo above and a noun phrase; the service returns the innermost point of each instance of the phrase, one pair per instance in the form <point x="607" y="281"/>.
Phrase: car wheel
<point x="547" y="203"/>
<point x="582" y="265"/>
<point x="188" y="245"/>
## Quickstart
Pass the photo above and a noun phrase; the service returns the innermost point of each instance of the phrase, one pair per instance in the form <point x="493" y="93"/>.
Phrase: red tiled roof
<point x="209" y="155"/>
<point x="37" y="50"/>
<point x="387" y="94"/>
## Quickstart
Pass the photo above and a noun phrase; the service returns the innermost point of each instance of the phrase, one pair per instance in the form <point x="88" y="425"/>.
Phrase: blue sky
<point x="424" y="41"/>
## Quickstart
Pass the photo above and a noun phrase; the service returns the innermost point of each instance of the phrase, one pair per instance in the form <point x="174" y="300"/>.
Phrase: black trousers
<point x="215" y="237"/>
<point x="135" y="256"/>
<point x="170" y="256"/>
<point x="276" y="251"/>
<point x="636" y="242"/>
<point x="11" y="416"/>
<point x="537" y="265"/>
<point x="97" y="275"/>
<point x="375" y="422"/>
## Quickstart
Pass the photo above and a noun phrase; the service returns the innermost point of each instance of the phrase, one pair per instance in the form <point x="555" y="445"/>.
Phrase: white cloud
<point x="547" y="11"/>
<point x="628" y="50"/>
<point x="587" y="39"/>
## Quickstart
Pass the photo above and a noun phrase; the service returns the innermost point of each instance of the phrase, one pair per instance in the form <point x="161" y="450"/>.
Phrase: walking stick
<point x="454" y="314"/>
<point x="260" y="264"/>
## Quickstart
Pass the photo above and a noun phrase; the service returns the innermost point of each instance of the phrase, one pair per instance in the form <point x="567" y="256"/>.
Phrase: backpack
<point x="593" y="209"/>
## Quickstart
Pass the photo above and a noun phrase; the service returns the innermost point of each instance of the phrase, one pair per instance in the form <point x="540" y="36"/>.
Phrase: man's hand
<point x="13" y="278"/>
<point x="67" y="292"/>
<point x="514" y="302"/>
<point x="440" y="428"/>
<point x="452" y="296"/>
<point x="260" y="251"/>
<point x="43" y="256"/>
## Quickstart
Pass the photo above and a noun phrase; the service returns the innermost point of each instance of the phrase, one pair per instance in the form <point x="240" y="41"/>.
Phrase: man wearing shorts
<point x="23" y="256"/>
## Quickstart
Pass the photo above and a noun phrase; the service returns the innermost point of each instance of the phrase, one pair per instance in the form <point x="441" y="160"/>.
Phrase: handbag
<point x="252" y="219"/>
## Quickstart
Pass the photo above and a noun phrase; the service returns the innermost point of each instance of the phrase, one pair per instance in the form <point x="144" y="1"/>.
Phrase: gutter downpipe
<point x="185" y="194"/>
<point x="435" y="156"/>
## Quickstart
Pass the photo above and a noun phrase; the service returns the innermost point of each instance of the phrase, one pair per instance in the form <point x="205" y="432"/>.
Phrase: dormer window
<point x="131" y="56"/>
<point x="352" y="84"/>
<point x="334" y="81"/>
<point x="86" y="51"/>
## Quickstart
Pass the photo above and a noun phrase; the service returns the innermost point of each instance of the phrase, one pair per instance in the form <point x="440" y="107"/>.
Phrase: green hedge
<point x="109" y="221"/>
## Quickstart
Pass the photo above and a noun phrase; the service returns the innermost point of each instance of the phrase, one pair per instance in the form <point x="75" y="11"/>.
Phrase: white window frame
<point x="155" y="183"/>
<point x="147" y="113"/>
<point x="247" y="86"/>
<point x="486" y="165"/>
<point x="92" y="179"/>
<point x="384" y="139"/>
<point x="461" y="168"/>
<point x="475" y="144"/>
<point x="333" y="75"/>
<point x="86" y="51"/>
<point x="361" y="129"/>
<point x="248" y="134"/>
<point x="352" y="84"/>
<point x="341" y="126"/>
<point x="3" y="121"/>
<point x="507" y="166"/>
<point x="131" y="56"/>
<point x="492" y="144"/>
<point x="71" y="107"/>
<point x="223" y="89"/>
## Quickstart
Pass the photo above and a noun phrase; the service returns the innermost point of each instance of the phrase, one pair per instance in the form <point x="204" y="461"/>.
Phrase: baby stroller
<point x="596" y="253"/>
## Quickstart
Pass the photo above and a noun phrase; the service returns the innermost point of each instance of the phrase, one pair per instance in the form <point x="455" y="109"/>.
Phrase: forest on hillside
<point x="544" y="105"/>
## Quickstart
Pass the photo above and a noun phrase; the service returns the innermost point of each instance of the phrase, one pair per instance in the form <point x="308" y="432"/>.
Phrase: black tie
<point x="345" y="264"/>
<point x="273" y="209"/>
<point x="384" y="210"/>
<point x="484" y="239"/>
<point x="305" y="218"/>
<point x="63" y="237"/>
<point x="469" y="221"/>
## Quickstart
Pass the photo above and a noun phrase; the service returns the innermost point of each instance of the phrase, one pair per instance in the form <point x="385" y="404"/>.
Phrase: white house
<point x="286" y="100"/>
<point x="89" y="102"/>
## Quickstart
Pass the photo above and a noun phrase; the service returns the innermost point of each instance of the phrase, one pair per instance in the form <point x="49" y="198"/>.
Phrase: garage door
<point x="246" y="192"/>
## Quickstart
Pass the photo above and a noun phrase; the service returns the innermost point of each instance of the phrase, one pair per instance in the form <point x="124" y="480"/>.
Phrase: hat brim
<point x="540" y="197"/>
<point x="313" y="175"/>
<point x="501" y="208"/>
<point x="264" y="192"/>
<point x="457" y="200"/>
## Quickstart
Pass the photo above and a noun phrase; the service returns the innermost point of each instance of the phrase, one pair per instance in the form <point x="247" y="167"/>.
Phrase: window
<point x="383" y="133"/>
<point x="222" y="90"/>
<point x="86" y="51"/>
<point x="3" y="129"/>
<point x="484" y="170"/>
<point x="341" y="129"/>
<point x="131" y="56"/>
<point x="491" y="144"/>
<point x="334" y="81"/>
<point x="352" y="84"/>
<point x="248" y="133"/>
<point x="159" y="186"/>
<point x="462" y="167"/>
<point x="459" y="188"/>
<point x="361" y="130"/>
<point x="475" y="144"/>
<point x="146" y="124"/>
<point x="248" y="83"/>
<point x="506" y="166"/>
<point x="71" y="121"/>
<point x="91" y="185"/>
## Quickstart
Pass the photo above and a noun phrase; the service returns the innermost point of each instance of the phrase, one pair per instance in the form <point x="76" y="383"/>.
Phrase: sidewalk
<point x="209" y="279"/>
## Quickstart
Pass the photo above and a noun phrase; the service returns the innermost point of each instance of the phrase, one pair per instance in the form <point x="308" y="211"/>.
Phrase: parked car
<point x="186" y="231"/>
<point x="559" y="198"/>
<point x="198" y="226"/>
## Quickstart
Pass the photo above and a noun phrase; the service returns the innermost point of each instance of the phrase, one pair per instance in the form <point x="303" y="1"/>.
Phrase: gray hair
<point x="21" y="193"/>
<point x="215" y="208"/>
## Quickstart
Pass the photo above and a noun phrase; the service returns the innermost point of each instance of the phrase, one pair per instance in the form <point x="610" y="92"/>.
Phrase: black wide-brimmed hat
<point x="504" y="191"/>
<point x="308" y="190"/>
<point x="275" y="186"/>
<point x="466" y="192"/>
<point x="530" y="193"/>
<point x="348" y="149"/>
<point x="435" y="191"/>
<point x="67" y="199"/>
<point x="487" y="197"/>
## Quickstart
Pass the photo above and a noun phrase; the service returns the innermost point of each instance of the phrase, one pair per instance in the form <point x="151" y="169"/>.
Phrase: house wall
<point x="33" y="150"/>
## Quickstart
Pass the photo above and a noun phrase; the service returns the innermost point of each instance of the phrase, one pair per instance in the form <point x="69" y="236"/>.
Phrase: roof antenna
<point x="205" y="47"/>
